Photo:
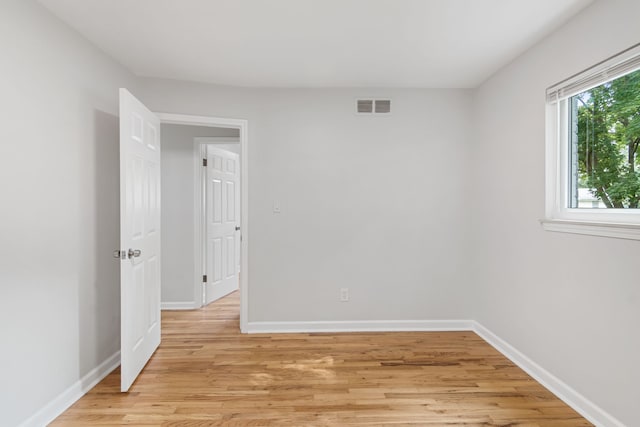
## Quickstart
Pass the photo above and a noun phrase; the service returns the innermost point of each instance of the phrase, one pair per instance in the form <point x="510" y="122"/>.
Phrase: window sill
<point x="593" y="228"/>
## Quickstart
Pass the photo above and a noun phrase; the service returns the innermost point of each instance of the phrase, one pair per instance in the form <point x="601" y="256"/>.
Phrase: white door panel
<point x="139" y="231"/>
<point x="223" y="217"/>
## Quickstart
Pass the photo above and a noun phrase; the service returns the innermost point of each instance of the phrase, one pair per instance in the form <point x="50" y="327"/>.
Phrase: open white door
<point x="223" y="223"/>
<point x="139" y="236"/>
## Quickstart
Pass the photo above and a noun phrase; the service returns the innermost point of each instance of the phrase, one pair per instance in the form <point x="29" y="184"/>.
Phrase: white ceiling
<point x="316" y="43"/>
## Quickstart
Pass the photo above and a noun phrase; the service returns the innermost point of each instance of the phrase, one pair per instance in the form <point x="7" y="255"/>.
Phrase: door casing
<point x="243" y="127"/>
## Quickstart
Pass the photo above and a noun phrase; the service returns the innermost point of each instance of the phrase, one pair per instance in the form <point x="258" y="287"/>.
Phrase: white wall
<point x="59" y="285"/>
<point x="178" y="209"/>
<point x="375" y="204"/>
<point x="386" y="206"/>
<point x="571" y="303"/>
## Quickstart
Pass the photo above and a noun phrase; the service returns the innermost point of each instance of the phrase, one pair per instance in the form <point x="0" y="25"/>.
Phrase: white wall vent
<point x="373" y="106"/>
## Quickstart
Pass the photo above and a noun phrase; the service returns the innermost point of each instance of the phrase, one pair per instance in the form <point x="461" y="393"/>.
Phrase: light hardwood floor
<point x="206" y="373"/>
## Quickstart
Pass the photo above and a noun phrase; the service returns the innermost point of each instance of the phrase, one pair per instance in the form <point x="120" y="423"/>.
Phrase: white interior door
<point x="139" y="236"/>
<point x="223" y="223"/>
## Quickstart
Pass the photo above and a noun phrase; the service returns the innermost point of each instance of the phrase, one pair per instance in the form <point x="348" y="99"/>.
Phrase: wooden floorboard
<point x="206" y="373"/>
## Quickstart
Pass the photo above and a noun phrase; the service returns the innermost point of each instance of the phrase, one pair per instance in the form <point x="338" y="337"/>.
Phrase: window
<point x="593" y="150"/>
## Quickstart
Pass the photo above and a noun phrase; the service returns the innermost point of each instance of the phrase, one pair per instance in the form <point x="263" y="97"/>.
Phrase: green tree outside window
<point x="608" y="138"/>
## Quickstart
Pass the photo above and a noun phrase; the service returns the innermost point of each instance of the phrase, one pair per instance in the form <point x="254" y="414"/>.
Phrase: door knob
<point x="134" y="253"/>
<point x="120" y="254"/>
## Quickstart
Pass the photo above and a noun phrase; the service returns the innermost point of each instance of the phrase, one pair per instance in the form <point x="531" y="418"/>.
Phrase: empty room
<point x="320" y="212"/>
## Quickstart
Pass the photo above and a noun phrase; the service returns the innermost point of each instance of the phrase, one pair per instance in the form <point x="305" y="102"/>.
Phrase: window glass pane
<point x="604" y="136"/>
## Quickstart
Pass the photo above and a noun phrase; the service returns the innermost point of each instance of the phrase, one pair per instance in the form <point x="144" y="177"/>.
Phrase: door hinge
<point x="204" y="278"/>
<point x="204" y="162"/>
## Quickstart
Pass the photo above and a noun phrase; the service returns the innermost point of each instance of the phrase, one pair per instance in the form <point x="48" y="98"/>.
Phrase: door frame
<point x="243" y="127"/>
<point x="200" y="228"/>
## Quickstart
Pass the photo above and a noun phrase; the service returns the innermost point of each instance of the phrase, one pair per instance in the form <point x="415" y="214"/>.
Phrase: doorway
<point x="188" y="195"/>
<point x="218" y="162"/>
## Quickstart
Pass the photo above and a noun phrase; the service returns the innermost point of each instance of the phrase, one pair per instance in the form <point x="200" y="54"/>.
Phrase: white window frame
<point x="610" y="222"/>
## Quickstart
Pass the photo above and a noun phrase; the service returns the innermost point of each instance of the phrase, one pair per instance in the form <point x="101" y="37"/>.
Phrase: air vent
<point x="365" y="106"/>
<point x="383" y="106"/>
<point x="373" y="106"/>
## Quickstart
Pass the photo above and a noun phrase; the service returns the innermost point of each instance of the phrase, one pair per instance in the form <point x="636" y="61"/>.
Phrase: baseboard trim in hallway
<point x="180" y="305"/>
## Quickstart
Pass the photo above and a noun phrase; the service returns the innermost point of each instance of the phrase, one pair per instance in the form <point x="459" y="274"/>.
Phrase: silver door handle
<point x="237" y="228"/>
<point x="134" y="253"/>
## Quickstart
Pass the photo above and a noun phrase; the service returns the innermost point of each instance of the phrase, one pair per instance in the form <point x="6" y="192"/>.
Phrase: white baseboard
<point x="180" y="305"/>
<point x="57" y="406"/>
<point x="360" y="326"/>
<point x="563" y="391"/>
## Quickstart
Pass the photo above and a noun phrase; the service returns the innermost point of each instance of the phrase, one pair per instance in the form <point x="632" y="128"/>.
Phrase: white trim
<point x="360" y="326"/>
<point x="243" y="127"/>
<point x="563" y="391"/>
<point x="57" y="406"/>
<point x="179" y="305"/>
<point x="216" y="140"/>
<point x="186" y="119"/>
<point x="199" y="241"/>
<point x="610" y="222"/>
<point x="593" y="228"/>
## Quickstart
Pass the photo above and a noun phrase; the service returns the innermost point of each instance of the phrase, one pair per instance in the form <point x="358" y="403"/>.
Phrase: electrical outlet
<point x="344" y="294"/>
<point x="276" y="207"/>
